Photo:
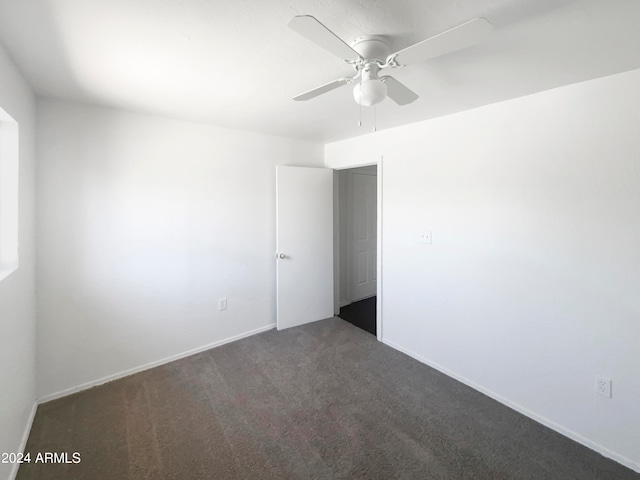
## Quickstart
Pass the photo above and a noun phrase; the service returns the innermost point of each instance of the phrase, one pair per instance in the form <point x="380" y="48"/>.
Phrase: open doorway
<point x="356" y="224"/>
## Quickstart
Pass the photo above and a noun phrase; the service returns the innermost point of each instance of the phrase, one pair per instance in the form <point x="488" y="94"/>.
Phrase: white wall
<point x="143" y="224"/>
<point x="531" y="286"/>
<point x="17" y="291"/>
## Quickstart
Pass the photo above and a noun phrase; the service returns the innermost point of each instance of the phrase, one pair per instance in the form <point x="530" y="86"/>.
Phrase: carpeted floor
<point x="362" y="314"/>
<point x="321" y="401"/>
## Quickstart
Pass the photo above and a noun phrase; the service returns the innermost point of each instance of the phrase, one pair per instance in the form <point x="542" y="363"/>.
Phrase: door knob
<point x="282" y="255"/>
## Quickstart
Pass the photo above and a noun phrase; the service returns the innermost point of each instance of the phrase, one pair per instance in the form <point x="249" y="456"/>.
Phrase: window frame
<point x="9" y="188"/>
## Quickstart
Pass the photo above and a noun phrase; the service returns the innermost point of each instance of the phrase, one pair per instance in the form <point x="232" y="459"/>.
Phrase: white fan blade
<point x="313" y="30"/>
<point x="323" y="89"/>
<point x="454" y="39"/>
<point x="397" y="92"/>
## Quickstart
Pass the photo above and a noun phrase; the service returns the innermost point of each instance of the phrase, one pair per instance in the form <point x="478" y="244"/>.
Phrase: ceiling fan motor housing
<point x="371" y="48"/>
<point x="374" y="50"/>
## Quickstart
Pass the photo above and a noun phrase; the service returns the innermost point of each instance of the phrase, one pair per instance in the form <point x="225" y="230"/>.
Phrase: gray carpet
<point x="321" y="401"/>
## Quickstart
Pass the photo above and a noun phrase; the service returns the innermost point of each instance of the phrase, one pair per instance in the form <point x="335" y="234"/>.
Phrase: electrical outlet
<point x="603" y="387"/>
<point x="425" y="237"/>
<point x="222" y="304"/>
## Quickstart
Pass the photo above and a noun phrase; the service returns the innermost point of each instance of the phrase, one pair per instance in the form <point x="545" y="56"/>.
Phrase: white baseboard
<point x="525" y="411"/>
<point x="157" y="363"/>
<point x="23" y="440"/>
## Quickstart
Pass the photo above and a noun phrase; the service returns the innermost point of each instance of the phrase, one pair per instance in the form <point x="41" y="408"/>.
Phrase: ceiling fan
<point x="370" y="54"/>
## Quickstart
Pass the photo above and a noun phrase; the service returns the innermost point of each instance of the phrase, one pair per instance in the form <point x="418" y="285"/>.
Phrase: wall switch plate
<point x="603" y="387"/>
<point x="425" y="237"/>
<point x="222" y="304"/>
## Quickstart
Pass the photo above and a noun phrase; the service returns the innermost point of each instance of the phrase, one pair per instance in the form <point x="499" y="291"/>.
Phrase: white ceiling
<point x="235" y="63"/>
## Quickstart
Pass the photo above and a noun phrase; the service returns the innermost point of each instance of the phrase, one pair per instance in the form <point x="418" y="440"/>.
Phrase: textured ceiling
<point x="237" y="64"/>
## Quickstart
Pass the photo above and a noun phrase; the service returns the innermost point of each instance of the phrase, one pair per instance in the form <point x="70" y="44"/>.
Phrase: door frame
<point x="379" y="244"/>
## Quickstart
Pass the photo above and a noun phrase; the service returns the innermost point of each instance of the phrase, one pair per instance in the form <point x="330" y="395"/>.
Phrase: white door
<point x="304" y="242"/>
<point x="363" y="236"/>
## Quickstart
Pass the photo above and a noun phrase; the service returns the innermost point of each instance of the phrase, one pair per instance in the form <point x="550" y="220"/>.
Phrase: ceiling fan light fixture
<point x="370" y="92"/>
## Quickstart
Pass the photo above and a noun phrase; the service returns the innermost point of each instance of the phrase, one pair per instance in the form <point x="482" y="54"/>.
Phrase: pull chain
<point x="360" y="119"/>
<point x="375" y="120"/>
